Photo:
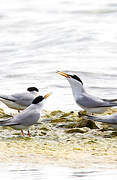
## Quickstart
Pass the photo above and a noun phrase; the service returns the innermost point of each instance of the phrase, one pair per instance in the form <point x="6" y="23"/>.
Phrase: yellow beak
<point x="63" y="74"/>
<point x="47" y="95"/>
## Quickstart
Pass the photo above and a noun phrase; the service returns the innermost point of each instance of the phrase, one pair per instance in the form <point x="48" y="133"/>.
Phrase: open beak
<point x="63" y="74"/>
<point x="47" y="95"/>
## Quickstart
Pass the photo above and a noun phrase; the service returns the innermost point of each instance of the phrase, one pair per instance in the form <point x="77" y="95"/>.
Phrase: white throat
<point x="37" y="107"/>
<point x="77" y="87"/>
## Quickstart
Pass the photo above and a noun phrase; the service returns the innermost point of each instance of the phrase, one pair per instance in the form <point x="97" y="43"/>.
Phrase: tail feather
<point x="94" y="118"/>
<point x="5" y="98"/>
<point x="112" y="103"/>
<point x="110" y="100"/>
<point x="5" y="122"/>
<point x="89" y="117"/>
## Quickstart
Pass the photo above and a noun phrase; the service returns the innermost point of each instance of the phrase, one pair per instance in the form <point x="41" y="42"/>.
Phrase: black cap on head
<point x="77" y="78"/>
<point x="38" y="99"/>
<point x="30" y="89"/>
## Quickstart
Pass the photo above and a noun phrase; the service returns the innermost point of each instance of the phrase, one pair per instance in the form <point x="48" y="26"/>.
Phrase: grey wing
<point x="26" y="118"/>
<point x="6" y="122"/>
<point x="23" y="118"/>
<point x="89" y="101"/>
<point x="7" y="97"/>
<point x="24" y="99"/>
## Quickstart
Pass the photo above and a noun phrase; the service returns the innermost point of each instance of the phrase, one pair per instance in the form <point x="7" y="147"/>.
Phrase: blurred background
<point x="37" y="38"/>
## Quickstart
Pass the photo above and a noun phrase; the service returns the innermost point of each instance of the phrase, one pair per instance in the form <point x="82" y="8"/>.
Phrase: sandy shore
<point x="60" y="139"/>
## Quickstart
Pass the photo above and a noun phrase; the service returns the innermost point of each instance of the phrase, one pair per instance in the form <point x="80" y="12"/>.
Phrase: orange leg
<point x="29" y="133"/>
<point x="22" y="132"/>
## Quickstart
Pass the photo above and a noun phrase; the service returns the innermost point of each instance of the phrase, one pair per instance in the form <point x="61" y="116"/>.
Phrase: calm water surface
<point x="50" y="172"/>
<point x="37" y="38"/>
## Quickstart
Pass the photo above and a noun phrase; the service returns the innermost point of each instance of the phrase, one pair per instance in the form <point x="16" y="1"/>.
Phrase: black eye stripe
<point x="32" y="89"/>
<point x="77" y="78"/>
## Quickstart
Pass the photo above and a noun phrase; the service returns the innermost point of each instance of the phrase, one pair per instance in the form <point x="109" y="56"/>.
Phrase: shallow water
<point x="30" y="172"/>
<point x="37" y="38"/>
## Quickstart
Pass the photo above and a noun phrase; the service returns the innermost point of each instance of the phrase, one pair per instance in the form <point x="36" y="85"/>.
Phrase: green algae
<point x="55" y="113"/>
<point x="87" y="123"/>
<point x="82" y="113"/>
<point x="4" y="115"/>
<point x="60" y="137"/>
<point x="75" y="130"/>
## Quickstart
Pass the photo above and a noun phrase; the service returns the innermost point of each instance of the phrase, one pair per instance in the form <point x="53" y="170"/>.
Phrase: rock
<point x="88" y="123"/>
<point x="75" y="130"/>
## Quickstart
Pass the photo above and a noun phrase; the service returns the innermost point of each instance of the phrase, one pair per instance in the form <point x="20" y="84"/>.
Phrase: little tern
<point x="86" y="101"/>
<point x="20" y="101"/>
<point x="27" y="117"/>
<point x="111" y="120"/>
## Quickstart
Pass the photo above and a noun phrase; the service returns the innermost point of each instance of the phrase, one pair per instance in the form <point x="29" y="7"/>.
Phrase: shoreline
<point x="58" y="139"/>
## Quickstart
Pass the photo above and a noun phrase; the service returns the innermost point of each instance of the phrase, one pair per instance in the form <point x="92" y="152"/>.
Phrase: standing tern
<point x="27" y="117"/>
<point x="20" y="101"/>
<point x="108" y="119"/>
<point x="86" y="101"/>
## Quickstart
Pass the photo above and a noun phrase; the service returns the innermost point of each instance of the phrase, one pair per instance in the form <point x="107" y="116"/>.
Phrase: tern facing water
<point x="86" y="101"/>
<point x="27" y="117"/>
<point x="20" y="101"/>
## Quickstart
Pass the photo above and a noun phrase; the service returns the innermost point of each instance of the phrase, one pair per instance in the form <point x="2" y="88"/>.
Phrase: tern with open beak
<point x="27" y="117"/>
<point x="89" y="103"/>
<point x="20" y="101"/>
